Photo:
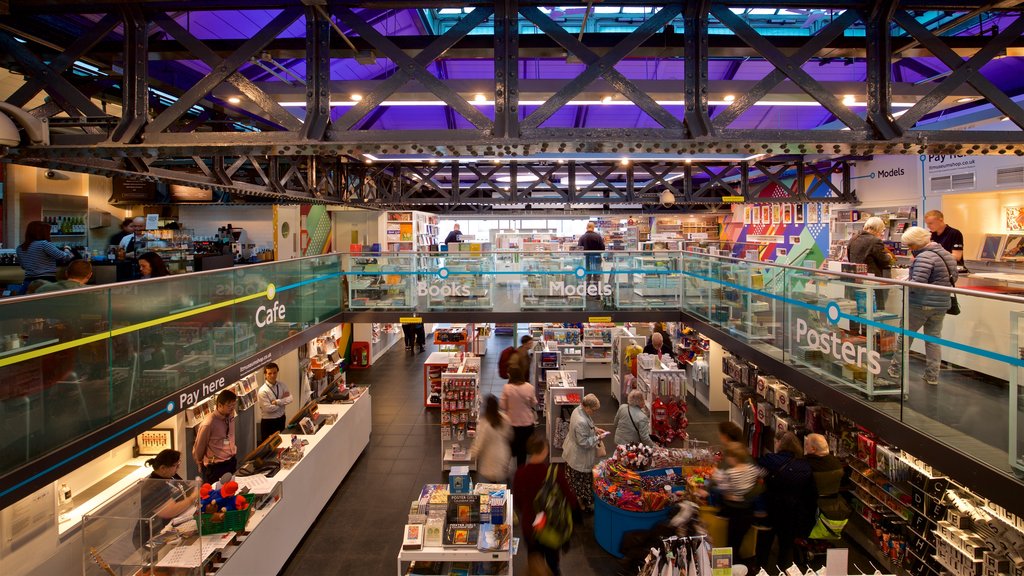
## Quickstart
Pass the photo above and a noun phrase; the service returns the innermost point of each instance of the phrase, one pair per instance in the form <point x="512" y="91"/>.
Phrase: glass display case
<point x="465" y="281"/>
<point x="646" y="281"/>
<point x="1016" y="451"/>
<point x="864" y="348"/>
<point x="147" y="529"/>
<point x="550" y="281"/>
<point x="743" y="301"/>
<point x="382" y="282"/>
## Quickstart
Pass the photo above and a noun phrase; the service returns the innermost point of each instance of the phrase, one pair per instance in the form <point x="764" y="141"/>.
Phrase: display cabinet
<point x="743" y="301"/>
<point x="865" y="349"/>
<point x="1016" y="428"/>
<point x="460" y="395"/>
<point x="468" y="283"/>
<point x="127" y="536"/>
<point x="646" y="281"/>
<point x="436" y="365"/>
<point x="569" y="343"/>
<point x="622" y="378"/>
<point x="597" y="352"/>
<point x="563" y="396"/>
<point x="550" y="282"/>
<point x="432" y="557"/>
<point x="382" y="282"/>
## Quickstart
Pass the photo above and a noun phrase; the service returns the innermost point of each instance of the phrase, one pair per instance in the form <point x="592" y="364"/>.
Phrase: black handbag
<point x="954" y="304"/>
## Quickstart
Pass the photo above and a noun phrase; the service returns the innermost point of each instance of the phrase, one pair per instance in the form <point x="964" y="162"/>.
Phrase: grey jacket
<point x="626" y="432"/>
<point x="931" y="265"/>
<point x="580" y="446"/>
<point x="866" y="248"/>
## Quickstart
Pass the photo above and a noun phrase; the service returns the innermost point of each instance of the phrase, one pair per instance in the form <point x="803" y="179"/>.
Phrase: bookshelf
<point x="409" y="231"/>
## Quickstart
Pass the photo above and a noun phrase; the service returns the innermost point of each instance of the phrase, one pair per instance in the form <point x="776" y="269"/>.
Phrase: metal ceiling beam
<point x="659" y="45"/>
<point x="83" y="6"/>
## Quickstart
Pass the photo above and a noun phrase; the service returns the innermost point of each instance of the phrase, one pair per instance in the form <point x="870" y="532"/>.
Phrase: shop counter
<point x="306" y="489"/>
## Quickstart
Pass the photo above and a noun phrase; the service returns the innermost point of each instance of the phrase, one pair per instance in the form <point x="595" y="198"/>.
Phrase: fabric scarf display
<point x="679" y="556"/>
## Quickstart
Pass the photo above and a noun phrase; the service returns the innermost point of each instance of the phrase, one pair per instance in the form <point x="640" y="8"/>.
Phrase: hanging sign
<point x="407" y="320"/>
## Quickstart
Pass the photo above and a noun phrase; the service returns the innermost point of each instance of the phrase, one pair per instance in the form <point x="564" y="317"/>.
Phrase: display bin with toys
<point x="635" y="488"/>
<point x="224" y="509"/>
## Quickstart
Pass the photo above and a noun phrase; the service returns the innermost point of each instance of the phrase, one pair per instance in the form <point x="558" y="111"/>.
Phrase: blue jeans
<point x="930" y="319"/>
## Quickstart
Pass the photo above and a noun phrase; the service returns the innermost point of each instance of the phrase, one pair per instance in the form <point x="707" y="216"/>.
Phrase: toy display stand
<point x="626" y="499"/>
<point x="610" y="523"/>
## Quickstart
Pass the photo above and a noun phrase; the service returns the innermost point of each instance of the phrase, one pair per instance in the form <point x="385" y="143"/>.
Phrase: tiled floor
<point x="359" y="531"/>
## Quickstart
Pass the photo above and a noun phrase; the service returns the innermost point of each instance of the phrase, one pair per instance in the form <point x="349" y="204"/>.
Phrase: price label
<point x="732" y="199"/>
<point x="410" y="320"/>
<point x="599" y="319"/>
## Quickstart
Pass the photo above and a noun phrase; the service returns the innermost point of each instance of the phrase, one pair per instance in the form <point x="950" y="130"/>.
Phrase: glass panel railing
<point x="72" y="362"/>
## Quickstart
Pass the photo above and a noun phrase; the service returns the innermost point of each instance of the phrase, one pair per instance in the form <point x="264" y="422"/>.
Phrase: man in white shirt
<point x="273" y="397"/>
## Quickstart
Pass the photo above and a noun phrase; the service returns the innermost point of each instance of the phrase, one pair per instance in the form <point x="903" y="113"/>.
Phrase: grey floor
<point x="359" y="531"/>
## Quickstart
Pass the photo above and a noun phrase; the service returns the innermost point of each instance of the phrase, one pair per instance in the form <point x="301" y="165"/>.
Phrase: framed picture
<point x="746" y="214"/>
<point x="152" y="442"/>
<point x="776" y="213"/>
<point x="766" y="214"/>
<point x="787" y="213"/>
<point x="755" y="215"/>
<point x="798" y="213"/>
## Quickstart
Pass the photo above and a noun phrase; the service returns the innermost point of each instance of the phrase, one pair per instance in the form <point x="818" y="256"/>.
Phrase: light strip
<point x="349" y="103"/>
<point x="616" y="159"/>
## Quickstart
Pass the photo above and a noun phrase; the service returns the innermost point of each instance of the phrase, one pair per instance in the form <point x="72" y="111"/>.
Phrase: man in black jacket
<point x="593" y="243"/>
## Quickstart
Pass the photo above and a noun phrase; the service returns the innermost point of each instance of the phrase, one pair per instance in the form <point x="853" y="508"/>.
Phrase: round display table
<point x="610" y="523"/>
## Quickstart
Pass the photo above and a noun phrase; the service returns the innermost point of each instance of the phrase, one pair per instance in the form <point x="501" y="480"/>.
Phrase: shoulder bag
<point x="954" y="304"/>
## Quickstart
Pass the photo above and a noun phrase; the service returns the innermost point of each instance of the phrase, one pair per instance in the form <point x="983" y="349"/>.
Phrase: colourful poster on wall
<point x="315" y="221"/>
<point x="1014" y="219"/>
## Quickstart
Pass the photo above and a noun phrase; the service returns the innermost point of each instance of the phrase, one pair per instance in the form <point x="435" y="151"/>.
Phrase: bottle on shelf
<point x="65" y="504"/>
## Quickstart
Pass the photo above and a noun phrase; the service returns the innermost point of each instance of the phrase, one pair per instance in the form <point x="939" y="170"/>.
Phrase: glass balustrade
<point x="73" y="362"/>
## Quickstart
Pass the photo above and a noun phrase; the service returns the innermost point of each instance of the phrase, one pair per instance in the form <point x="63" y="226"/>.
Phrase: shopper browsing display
<point x="454" y="237"/>
<point x="491" y="448"/>
<point x="932" y="265"/>
<point x="580" y="450"/>
<point x="734" y="484"/>
<point x="791" y="498"/>
<point x="519" y="402"/>
<point x="593" y="243"/>
<point x="214" y="450"/>
<point x="38" y="256"/>
<point x="273" y="397"/>
<point x="632" y="422"/>
<point x="951" y="239"/>
<point x="867" y="248"/>
<point x="521" y="357"/>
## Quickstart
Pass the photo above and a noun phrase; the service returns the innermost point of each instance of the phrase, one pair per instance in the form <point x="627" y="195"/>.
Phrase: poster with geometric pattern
<point x="315" y="221"/>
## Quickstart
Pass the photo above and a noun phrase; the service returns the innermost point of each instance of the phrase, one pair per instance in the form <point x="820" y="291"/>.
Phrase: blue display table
<point x="610" y="523"/>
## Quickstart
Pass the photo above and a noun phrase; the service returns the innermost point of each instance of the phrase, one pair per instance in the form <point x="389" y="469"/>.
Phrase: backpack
<point x="503" y="360"/>
<point x="552" y="526"/>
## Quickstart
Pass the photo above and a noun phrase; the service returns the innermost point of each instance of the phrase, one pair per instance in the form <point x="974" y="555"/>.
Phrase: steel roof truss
<point x="962" y="71"/>
<point x="414" y="68"/>
<point x="769" y="52"/>
<point x="227" y="67"/>
<point x="603" y="66"/>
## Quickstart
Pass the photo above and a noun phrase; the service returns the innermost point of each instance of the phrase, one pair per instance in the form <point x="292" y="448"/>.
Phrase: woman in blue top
<point x="38" y="256"/>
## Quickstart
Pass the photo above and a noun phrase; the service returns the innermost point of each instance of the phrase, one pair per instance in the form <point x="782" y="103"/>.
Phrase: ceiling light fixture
<point x="479" y="98"/>
<point x="234" y="100"/>
<point x="965" y="99"/>
<point x="520" y="178"/>
<point x="355" y="97"/>
<point x="607" y="100"/>
<point x="849" y="100"/>
<point x="729" y="98"/>
<point x="624" y="162"/>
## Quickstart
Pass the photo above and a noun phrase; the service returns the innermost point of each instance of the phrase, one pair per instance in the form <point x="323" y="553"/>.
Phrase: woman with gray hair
<point x="866" y="247"/>
<point x="632" y="422"/>
<point x="931" y="265"/>
<point x="580" y="450"/>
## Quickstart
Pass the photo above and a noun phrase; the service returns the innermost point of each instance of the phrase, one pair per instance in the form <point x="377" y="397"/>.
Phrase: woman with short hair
<point x="580" y="450"/>
<point x="632" y="422"/>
